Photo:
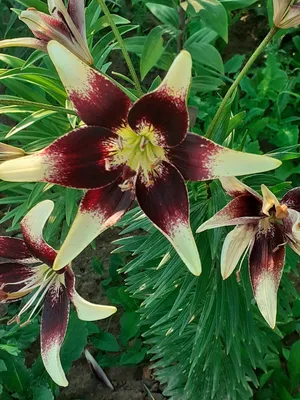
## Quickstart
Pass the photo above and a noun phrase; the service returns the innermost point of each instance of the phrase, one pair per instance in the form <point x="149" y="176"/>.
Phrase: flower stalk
<point x="122" y="46"/>
<point x="237" y="81"/>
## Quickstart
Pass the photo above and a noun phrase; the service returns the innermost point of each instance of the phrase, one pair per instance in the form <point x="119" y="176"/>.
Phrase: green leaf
<point x="42" y="393"/>
<point x="106" y="342"/>
<point x="38" y="4"/>
<point x="134" y="355"/>
<point x="129" y="326"/>
<point x="205" y="83"/>
<point x="103" y="22"/>
<point x="234" y="64"/>
<point x="30" y="120"/>
<point x="3" y="366"/>
<point x="294" y="364"/>
<point x="152" y="51"/>
<point x="75" y="341"/>
<point x="17" y="377"/>
<point x="215" y="17"/>
<point x="165" y="14"/>
<point x="207" y="55"/>
<point x="10" y="349"/>
<point x="204" y="35"/>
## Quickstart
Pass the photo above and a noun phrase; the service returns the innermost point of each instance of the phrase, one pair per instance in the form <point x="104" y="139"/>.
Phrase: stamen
<point x="143" y="143"/>
<point x="281" y="211"/>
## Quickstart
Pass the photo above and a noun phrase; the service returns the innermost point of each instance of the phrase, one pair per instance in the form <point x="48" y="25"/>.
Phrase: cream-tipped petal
<point x="87" y="311"/>
<point x="266" y="298"/>
<point x="26" y="169"/>
<point x="269" y="200"/>
<point x="235" y="245"/>
<point x="8" y="152"/>
<point x="32" y="226"/>
<point x="234" y="187"/>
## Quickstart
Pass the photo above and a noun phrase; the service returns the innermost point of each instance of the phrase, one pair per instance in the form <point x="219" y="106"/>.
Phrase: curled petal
<point x="165" y="202"/>
<point x="77" y="159"/>
<point x="12" y="280"/>
<point x="32" y="226"/>
<point x="266" y="263"/>
<point x="77" y="14"/>
<point x="86" y="311"/>
<point x="292" y="199"/>
<point x="269" y="200"/>
<point x="99" y="210"/>
<point x="97" y="100"/>
<point x="24" y="42"/>
<point x="244" y="209"/>
<point x="235" y="188"/>
<point x="235" y="245"/>
<point x="15" y="249"/>
<point x="53" y="329"/>
<point x="165" y="109"/>
<point x="200" y="159"/>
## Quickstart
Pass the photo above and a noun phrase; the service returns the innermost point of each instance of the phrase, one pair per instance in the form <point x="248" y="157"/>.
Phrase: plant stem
<point x="237" y="81"/>
<point x="42" y="106"/>
<point x="122" y="47"/>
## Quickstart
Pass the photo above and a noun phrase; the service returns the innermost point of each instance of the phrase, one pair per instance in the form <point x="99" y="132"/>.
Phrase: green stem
<point x="41" y="106"/>
<point x="237" y="81"/>
<point x="122" y="46"/>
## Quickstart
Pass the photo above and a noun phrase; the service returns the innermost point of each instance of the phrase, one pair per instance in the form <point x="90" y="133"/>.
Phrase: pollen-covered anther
<point x="126" y="185"/>
<point x="281" y="212"/>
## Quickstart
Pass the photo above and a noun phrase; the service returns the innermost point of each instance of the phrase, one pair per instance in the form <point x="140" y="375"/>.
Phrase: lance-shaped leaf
<point x="86" y="311"/>
<point x="235" y="245"/>
<point x="53" y="329"/>
<point x="244" y="209"/>
<point x="96" y="99"/>
<point x="198" y="159"/>
<point x="77" y="159"/>
<point x="99" y="210"/>
<point x="165" y="202"/>
<point x="266" y="263"/>
<point x="32" y="226"/>
<point x="165" y="109"/>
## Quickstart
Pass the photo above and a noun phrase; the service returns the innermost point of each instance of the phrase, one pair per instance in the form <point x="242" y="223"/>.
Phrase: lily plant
<point x="29" y="271"/>
<point x="265" y="226"/>
<point x="65" y="25"/>
<point x="127" y="151"/>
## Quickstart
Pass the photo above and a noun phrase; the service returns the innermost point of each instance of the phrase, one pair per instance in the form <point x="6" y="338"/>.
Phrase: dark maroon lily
<point x="29" y="270"/>
<point x="264" y="225"/>
<point x="130" y="150"/>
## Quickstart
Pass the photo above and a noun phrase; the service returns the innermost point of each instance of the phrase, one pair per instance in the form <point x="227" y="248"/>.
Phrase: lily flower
<point x="66" y="26"/>
<point x="29" y="271"/>
<point x="286" y="13"/>
<point x="265" y="226"/>
<point x="8" y="152"/>
<point x="127" y="151"/>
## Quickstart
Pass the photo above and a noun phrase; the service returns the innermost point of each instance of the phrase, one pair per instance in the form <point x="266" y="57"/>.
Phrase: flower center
<point x="138" y="151"/>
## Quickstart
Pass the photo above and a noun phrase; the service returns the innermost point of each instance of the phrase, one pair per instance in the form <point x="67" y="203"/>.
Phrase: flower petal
<point x="86" y="311"/>
<point x="77" y="159"/>
<point x="200" y="159"/>
<point x="234" y="247"/>
<point x="15" y="249"/>
<point x="32" y="226"/>
<point x="165" y="109"/>
<point x="77" y="14"/>
<point x="8" y="152"/>
<point x="235" y="188"/>
<point x="53" y="329"/>
<point x="266" y="263"/>
<point x="165" y="202"/>
<point x="24" y="42"/>
<point x="97" y="100"/>
<point x="269" y="200"/>
<point x="244" y="209"/>
<point x="10" y="274"/>
<point x="292" y="199"/>
<point x="99" y="210"/>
